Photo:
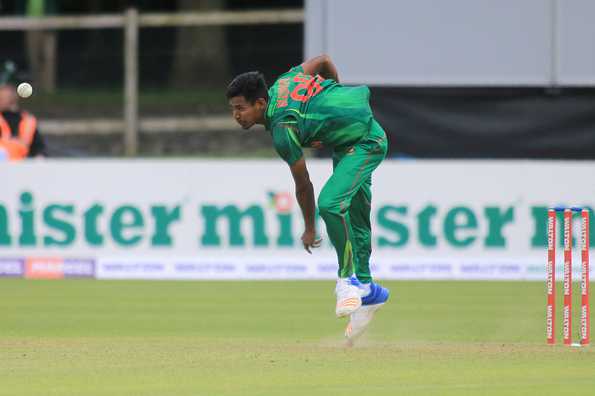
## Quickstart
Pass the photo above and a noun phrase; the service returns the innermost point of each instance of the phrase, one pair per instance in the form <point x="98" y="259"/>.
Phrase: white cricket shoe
<point x="359" y="322"/>
<point x="373" y="297"/>
<point x="349" y="297"/>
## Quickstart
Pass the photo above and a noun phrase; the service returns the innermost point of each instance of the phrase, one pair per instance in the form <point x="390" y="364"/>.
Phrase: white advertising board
<point x="158" y="219"/>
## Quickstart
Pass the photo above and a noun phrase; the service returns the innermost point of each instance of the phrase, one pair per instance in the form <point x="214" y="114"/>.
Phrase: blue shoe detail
<point x="355" y="281"/>
<point x="378" y="294"/>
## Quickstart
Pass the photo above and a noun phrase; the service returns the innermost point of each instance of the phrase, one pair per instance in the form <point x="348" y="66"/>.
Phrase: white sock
<point x="344" y="281"/>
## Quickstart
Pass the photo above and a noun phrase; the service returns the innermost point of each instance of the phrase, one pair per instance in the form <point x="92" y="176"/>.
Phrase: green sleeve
<point x="286" y="142"/>
<point x="291" y="72"/>
<point x="297" y="69"/>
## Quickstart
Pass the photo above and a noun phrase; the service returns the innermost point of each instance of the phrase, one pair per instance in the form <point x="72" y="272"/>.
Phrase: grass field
<point x="82" y="337"/>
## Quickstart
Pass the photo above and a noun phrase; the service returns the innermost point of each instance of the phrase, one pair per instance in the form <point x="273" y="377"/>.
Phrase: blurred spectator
<point x="19" y="137"/>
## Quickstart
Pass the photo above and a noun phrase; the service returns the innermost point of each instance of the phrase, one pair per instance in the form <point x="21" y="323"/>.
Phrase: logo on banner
<point x="79" y="268"/>
<point x="58" y="268"/>
<point x="271" y="268"/>
<point x="204" y="268"/>
<point x="11" y="267"/>
<point x="44" y="268"/>
<point x="239" y="223"/>
<point x="489" y="268"/>
<point x="421" y="268"/>
<point x="133" y="267"/>
<point x="282" y="202"/>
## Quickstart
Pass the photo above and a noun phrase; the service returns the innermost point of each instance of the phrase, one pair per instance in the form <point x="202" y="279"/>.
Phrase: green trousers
<point x="344" y="202"/>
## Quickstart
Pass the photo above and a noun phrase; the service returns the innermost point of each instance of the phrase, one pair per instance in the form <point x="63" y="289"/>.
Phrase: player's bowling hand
<point x="309" y="240"/>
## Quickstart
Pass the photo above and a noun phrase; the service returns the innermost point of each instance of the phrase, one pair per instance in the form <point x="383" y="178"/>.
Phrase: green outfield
<point x="84" y="337"/>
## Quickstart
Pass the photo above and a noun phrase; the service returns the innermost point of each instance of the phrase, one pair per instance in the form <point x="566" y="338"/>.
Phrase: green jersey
<point x="309" y="111"/>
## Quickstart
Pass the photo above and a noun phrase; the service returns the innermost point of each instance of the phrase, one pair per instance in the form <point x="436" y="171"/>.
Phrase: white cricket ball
<point x="25" y="90"/>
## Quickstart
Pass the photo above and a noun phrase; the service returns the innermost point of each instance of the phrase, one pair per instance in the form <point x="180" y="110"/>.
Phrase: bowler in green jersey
<point x="308" y="107"/>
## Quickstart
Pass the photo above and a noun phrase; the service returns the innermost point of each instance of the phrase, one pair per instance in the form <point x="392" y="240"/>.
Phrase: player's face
<point x="8" y="98"/>
<point x="245" y="113"/>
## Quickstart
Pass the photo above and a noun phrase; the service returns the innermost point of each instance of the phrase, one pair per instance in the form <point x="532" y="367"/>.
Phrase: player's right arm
<point x="304" y="193"/>
<point x="321" y="65"/>
<point x="286" y="143"/>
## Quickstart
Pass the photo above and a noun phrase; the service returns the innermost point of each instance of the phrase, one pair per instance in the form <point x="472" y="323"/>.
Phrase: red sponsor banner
<point x="567" y="311"/>
<point x="44" y="268"/>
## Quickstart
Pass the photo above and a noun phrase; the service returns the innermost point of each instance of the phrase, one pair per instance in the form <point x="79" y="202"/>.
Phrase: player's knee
<point x="327" y="207"/>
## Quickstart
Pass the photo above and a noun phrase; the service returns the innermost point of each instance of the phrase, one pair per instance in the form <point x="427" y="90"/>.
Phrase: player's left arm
<point x="304" y="193"/>
<point x="322" y="65"/>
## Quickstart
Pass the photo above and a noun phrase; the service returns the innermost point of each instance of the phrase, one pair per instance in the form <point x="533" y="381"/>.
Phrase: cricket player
<point x="308" y="107"/>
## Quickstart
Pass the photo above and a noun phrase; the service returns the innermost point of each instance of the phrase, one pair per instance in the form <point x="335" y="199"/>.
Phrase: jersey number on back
<point x="307" y="87"/>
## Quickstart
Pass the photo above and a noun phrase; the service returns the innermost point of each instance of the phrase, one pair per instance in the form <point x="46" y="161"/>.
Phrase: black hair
<point x="250" y="85"/>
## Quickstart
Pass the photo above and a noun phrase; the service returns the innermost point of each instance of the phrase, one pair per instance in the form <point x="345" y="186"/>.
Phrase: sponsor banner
<point x="313" y="268"/>
<point x="239" y="219"/>
<point x="44" y="268"/>
<point x="192" y="268"/>
<point x="12" y="267"/>
<point x="58" y="268"/>
<point x="79" y="268"/>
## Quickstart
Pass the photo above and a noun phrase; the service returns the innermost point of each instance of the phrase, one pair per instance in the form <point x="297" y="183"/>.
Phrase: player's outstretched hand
<point x="309" y="240"/>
